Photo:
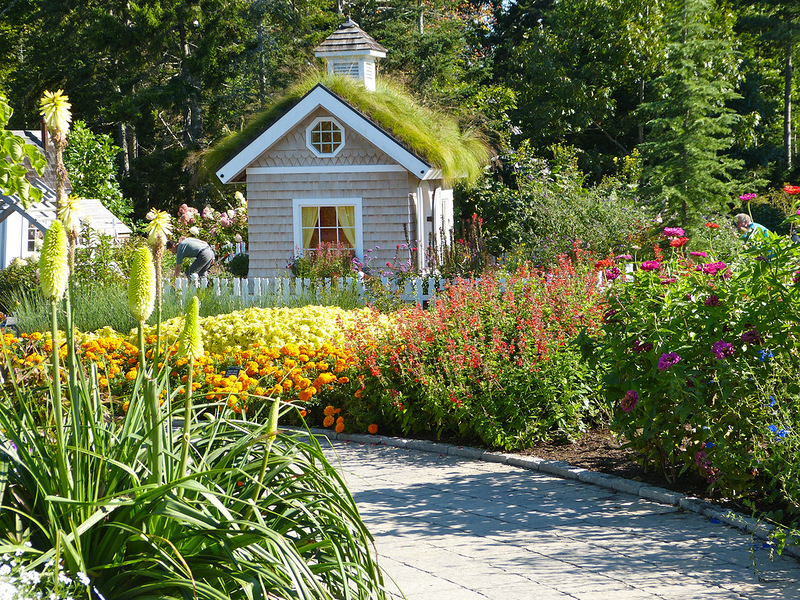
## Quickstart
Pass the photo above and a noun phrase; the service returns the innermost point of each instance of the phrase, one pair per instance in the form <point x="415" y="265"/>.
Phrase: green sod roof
<point x="433" y="135"/>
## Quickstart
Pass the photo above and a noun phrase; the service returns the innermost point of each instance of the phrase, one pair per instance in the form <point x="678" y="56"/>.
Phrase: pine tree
<point x="686" y="168"/>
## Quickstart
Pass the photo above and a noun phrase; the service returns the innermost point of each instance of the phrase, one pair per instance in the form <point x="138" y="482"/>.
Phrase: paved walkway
<point x="451" y="527"/>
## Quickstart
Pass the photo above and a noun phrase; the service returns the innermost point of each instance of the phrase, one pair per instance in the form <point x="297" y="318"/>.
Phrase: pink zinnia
<point x="700" y="254"/>
<point x="651" y="265"/>
<point x="674" y="232"/>
<point x="711" y="268"/>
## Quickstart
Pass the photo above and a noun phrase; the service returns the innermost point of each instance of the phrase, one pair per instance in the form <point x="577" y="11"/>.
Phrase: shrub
<point x="239" y="265"/>
<point x="490" y="361"/>
<point x="703" y="367"/>
<point x="18" y="277"/>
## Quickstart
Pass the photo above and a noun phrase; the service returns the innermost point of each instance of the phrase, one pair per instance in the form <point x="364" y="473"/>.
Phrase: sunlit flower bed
<point x="271" y="327"/>
<point x="239" y="378"/>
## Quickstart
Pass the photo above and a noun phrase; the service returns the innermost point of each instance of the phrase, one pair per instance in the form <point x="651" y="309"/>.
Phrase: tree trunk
<point x="421" y="20"/>
<point x="787" y="111"/>
<point x="122" y="141"/>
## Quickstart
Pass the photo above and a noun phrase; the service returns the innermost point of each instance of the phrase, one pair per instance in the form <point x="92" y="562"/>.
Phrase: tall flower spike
<point x="69" y="213"/>
<point x="54" y="107"/>
<point x="159" y="228"/>
<point x="53" y="264"/>
<point x="142" y="285"/>
<point x="190" y="340"/>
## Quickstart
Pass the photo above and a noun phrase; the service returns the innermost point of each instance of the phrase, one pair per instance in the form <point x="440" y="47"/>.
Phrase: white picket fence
<point x="417" y="290"/>
<point x="251" y="291"/>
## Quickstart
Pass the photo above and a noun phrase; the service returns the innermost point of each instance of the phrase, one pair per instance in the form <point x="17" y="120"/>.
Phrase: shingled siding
<point x="291" y="151"/>
<point x="385" y="208"/>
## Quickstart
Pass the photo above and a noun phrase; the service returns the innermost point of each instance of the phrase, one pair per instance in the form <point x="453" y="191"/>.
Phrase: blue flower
<point x="772" y="401"/>
<point x="710" y="444"/>
<point x="765" y="354"/>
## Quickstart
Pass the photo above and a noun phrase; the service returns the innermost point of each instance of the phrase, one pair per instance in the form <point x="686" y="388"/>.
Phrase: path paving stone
<point x="451" y="527"/>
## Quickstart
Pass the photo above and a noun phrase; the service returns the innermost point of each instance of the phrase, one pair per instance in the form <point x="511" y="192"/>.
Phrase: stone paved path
<point x="454" y="528"/>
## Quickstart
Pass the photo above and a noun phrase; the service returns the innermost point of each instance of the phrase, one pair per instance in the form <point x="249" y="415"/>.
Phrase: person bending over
<point x="190" y="247"/>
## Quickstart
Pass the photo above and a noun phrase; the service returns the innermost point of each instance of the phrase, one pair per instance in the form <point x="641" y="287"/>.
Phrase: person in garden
<point x="750" y="230"/>
<point x="192" y="247"/>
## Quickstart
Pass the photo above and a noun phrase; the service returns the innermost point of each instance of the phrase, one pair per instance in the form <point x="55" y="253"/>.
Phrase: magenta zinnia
<point x="668" y="360"/>
<point x="629" y="401"/>
<point x="651" y="265"/>
<point x="722" y="349"/>
<point x="674" y="232"/>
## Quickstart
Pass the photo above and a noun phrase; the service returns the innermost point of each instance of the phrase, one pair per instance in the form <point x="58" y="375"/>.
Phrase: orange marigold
<point x="328" y="411"/>
<point x="373" y="429"/>
<point x="328" y="421"/>
<point x="339" y="427"/>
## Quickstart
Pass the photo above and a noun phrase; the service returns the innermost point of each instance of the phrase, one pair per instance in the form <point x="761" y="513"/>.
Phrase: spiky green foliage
<point x="430" y="133"/>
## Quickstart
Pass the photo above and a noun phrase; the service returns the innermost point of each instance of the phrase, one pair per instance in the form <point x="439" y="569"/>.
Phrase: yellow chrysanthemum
<point x="54" y="107"/>
<point x="53" y="264"/>
<point x="142" y="285"/>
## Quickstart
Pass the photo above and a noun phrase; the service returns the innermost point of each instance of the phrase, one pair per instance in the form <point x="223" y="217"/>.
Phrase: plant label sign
<point x="232" y="371"/>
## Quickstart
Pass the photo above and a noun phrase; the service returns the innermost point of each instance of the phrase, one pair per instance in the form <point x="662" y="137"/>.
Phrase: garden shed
<point x="22" y="228"/>
<point x="346" y="161"/>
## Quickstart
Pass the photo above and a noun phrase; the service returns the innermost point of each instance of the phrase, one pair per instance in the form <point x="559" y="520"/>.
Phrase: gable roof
<point x="42" y="213"/>
<point x="350" y="40"/>
<point x="321" y="97"/>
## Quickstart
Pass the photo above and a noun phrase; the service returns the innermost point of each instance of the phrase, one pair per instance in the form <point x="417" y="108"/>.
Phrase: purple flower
<point x="668" y="280"/>
<point x="700" y="254"/>
<point x="711" y="268"/>
<point x="629" y="401"/>
<point x="721" y="349"/>
<point x="667" y="360"/>
<point x="612" y="274"/>
<point x="674" y="232"/>
<point x="712" y="300"/>
<point x="641" y="346"/>
<point x="751" y="336"/>
<point x="651" y="265"/>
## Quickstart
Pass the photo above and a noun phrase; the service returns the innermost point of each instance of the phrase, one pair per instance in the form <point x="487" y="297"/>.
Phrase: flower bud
<point x="190" y="341"/>
<point x="159" y="228"/>
<point x="142" y="285"/>
<point x="53" y="264"/>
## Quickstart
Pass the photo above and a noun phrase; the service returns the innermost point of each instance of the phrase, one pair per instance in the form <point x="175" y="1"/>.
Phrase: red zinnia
<point x="791" y="189"/>
<point x="678" y="242"/>
<point x="712" y="225"/>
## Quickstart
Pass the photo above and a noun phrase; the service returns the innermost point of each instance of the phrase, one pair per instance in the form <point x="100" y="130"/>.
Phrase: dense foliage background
<point x="702" y="89"/>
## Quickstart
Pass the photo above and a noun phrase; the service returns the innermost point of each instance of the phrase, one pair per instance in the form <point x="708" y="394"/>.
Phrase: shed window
<point x="33" y="235"/>
<point x="335" y="225"/>
<point x="325" y="137"/>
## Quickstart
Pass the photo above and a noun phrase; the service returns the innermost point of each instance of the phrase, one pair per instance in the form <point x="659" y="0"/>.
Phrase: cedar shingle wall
<point x="292" y="150"/>
<point x="384" y="198"/>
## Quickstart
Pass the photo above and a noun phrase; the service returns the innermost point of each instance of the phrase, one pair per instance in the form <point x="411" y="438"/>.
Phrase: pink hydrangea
<point x="208" y="212"/>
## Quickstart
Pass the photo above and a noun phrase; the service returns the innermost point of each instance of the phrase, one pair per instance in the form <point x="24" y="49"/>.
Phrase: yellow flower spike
<point x="142" y="285"/>
<point x="53" y="264"/>
<point x="190" y="341"/>
<point x="69" y="213"/>
<point x="54" y="107"/>
<point x="159" y="228"/>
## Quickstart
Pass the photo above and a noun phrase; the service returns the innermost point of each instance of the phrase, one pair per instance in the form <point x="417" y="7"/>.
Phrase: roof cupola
<point x="350" y="51"/>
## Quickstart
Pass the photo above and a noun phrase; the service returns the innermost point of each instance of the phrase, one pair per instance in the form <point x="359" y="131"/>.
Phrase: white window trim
<point x="297" y="211"/>
<point x="311" y="146"/>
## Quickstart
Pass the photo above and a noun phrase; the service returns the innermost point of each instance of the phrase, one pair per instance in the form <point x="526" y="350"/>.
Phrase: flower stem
<point x="187" y="424"/>
<point x="58" y="414"/>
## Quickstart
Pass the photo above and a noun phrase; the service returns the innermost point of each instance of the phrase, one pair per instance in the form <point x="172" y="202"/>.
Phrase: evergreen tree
<point x="687" y="169"/>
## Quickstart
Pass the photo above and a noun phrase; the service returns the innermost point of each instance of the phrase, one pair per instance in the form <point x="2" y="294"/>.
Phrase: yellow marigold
<point x="125" y="406"/>
<point x="322" y="366"/>
<point x="36" y="336"/>
<point x="290" y="350"/>
<point x="373" y="429"/>
<point x="131" y="375"/>
<point x="339" y="427"/>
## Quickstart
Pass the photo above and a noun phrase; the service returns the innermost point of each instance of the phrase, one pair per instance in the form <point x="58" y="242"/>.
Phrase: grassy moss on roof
<point x="432" y="134"/>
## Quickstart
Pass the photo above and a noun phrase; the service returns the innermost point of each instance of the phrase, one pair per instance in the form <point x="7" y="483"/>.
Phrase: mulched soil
<point x="599" y="450"/>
